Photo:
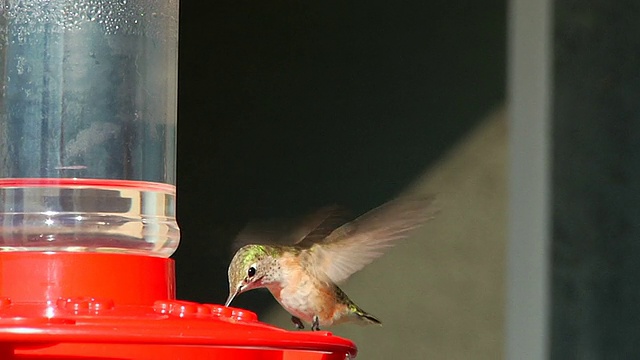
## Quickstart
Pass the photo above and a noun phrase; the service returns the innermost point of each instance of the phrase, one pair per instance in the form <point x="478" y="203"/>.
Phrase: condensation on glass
<point x="88" y="125"/>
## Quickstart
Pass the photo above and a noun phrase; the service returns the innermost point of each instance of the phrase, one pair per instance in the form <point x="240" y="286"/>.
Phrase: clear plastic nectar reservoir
<point x="88" y="94"/>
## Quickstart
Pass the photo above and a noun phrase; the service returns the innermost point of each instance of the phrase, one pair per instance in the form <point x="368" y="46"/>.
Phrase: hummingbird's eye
<point x="251" y="272"/>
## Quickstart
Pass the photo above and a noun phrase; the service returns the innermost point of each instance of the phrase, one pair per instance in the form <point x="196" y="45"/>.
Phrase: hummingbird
<point x="303" y="274"/>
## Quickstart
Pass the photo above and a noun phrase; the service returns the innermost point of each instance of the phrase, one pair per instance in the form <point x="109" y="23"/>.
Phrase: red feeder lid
<point x="113" y="306"/>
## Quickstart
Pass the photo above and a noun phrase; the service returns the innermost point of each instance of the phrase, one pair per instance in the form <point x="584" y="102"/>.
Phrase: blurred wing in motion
<point x="355" y="244"/>
<point x="311" y="229"/>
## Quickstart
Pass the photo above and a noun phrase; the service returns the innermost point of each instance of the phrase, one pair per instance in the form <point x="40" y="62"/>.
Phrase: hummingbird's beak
<point x="233" y="295"/>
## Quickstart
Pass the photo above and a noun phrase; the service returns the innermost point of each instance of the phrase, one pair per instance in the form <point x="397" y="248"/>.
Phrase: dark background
<point x="595" y="267"/>
<point x="285" y="106"/>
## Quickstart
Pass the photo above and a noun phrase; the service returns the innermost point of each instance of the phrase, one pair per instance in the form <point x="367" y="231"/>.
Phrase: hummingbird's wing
<point x="355" y="244"/>
<point x="311" y="229"/>
<point x="318" y="225"/>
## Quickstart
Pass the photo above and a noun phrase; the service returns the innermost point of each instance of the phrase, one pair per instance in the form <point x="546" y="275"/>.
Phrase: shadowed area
<point x="286" y="107"/>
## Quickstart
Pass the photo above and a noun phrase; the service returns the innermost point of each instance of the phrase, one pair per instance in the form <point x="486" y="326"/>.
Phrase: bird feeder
<point x="87" y="194"/>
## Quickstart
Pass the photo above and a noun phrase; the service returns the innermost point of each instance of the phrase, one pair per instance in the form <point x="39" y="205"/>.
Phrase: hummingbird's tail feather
<point x="364" y="316"/>
<point x="370" y="319"/>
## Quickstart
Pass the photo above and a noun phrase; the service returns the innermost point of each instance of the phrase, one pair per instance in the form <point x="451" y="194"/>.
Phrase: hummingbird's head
<point x="250" y="268"/>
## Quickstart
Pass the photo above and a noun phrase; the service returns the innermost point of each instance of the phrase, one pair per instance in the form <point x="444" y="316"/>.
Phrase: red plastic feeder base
<point x="112" y="306"/>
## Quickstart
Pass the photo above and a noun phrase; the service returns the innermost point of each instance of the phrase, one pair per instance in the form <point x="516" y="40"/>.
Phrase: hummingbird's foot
<point x="297" y="322"/>
<point x="316" y="324"/>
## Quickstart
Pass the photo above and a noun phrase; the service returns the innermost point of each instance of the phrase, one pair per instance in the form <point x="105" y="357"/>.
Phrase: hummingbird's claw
<point x="297" y="322"/>
<point x="316" y="324"/>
